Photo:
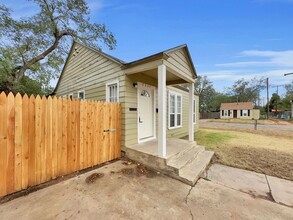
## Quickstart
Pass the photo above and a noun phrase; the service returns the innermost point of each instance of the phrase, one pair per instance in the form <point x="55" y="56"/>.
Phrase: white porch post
<point x="162" y="110"/>
<point x="190" y="113"/>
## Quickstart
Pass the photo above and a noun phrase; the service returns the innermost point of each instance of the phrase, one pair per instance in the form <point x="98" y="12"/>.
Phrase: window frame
<point x="176" y="94"/>
<point x="81" y="91"/>
<point x="108" y="90"/>
<point x="226" y="113"/>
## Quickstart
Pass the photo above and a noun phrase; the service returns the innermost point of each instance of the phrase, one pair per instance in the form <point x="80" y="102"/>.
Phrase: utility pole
<point x="268" y="98"/>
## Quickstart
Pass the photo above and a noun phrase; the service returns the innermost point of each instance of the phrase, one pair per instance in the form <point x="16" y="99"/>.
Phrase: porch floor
<point x="173" y="146"/>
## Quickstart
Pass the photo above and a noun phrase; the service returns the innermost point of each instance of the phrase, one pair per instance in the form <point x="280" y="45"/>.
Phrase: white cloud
<point x="282" y="59"/>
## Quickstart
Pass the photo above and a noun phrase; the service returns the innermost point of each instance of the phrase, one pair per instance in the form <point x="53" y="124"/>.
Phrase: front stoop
<point x="187" y="165"/>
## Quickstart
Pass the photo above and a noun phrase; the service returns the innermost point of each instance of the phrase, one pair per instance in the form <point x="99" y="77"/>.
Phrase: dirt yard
<point x="268" y="152"/>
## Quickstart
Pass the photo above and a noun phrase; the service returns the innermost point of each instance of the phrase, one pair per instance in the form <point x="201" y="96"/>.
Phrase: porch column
<point x="162" y="110"/>
<point x="190" y="113"/>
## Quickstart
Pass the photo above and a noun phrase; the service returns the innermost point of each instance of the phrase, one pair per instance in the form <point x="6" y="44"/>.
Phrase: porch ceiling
<point x="150" y="70"/>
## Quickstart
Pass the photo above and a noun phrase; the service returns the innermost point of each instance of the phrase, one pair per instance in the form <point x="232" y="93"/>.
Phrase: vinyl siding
<point x="90" y="71"/>
<point x="179" y="62"/>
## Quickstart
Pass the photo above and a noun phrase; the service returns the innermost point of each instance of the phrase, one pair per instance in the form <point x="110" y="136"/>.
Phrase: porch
<point x="151" y="78"/>
<point x="184" y="160"/>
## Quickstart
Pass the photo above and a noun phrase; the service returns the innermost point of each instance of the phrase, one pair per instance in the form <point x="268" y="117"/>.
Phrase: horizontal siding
<point x="179" y="62"/>
<point x="131" y="117"/>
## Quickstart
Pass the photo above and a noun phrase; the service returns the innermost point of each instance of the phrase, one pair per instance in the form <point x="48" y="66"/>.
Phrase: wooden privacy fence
<point x="43" y="138"/>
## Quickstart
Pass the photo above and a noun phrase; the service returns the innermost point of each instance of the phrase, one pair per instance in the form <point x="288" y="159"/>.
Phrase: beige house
<point x="242" y="110"/>
<point x="155" y="105"/>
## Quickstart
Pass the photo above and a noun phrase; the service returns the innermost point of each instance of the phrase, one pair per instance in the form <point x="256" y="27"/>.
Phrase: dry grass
<point x="250" y="121"/>
<point x="269" y="152"/>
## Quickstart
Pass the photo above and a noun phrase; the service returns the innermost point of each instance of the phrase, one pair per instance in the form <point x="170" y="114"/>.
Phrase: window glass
<point x="112" y="92"/>
<point x="175" y="110"/>
<point x="81" y="95"/>
<point x="145" y="93"/>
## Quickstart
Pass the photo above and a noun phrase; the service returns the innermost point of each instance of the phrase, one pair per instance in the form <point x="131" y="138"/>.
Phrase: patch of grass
<point x="210" y="138"/>
<point x="272" y="155"/>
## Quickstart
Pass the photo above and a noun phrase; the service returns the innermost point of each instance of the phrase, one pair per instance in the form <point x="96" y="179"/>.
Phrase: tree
<point x="205" y="91"/>
<point x="36" y="46"/>
<point x="286" y="101"/>
<point x="245" y="91"/>
<point x="275" y="101"/>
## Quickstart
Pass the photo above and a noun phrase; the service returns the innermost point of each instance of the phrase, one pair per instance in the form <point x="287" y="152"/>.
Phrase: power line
<point x="286" y="74"/>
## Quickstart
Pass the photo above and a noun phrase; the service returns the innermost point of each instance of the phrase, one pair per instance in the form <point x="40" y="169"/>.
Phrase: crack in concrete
<point x="186" y="202"/>
<point x="270" y="190"/>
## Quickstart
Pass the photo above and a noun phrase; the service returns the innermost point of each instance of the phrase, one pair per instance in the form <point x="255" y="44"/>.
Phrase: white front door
<point x="145" y="112"/>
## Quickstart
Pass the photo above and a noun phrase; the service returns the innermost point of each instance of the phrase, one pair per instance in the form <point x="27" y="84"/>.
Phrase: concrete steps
<point x="184" y="158"/>
<point x="189" y="165"/>
<point x="193" y="171"/>
<point x="186" y="165"/>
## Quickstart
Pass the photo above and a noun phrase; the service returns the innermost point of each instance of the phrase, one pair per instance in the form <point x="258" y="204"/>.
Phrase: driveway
<point x="126" y="191"/>
<point x="206" y="123"/>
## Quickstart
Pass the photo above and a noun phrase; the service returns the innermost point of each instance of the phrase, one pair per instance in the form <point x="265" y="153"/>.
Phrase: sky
<point x="228" y="39"/>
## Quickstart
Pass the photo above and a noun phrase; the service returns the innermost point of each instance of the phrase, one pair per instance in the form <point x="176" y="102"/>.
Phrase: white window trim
<point x="80" y="92"/>
<point x="176" y="94"/>
<point x="226" y="113"/>
<point x="246" y="110"/>
<point x="107" y="90"/>
<point x="194" y="111"/>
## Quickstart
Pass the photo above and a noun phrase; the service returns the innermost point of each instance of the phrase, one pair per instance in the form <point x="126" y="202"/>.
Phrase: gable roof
<point x="163" y="54"/>
<point x="236" y="105"/>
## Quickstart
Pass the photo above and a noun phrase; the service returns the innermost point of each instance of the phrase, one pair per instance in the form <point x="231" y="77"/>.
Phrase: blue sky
<point x="227" y="39"/>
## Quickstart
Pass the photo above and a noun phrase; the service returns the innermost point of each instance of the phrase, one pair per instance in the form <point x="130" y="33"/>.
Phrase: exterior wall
<point x="89" y="71"/>
<point x="254" y="114"/>
<point x="178" y="62"/>
<point x="131" y="117"/>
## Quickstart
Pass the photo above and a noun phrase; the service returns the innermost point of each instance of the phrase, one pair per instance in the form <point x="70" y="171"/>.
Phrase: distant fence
<point x="43" y="138"/>
<point x="209" y="115"/>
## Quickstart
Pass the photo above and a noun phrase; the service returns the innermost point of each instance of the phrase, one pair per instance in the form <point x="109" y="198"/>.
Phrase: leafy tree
<point x="275" y="102"/>
<point x="206" y="92"/>
<point x="35" y="46"/>
<point x="286" y="104"/>
<point x="245" y="91"/>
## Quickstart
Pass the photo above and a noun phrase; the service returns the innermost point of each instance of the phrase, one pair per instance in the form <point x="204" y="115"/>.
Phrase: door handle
<point x="139" y="120"/>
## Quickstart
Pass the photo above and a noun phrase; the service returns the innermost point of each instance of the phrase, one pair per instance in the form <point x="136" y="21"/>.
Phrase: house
<point x="156" y="94"/>
<point x="242" y="110"/>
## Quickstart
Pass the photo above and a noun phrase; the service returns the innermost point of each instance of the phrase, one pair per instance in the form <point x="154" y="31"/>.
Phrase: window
<point x="194" y="112"/>
<point x="175" y="110"/>
<point x="112" y="91"/>
<point x="226" y="112"/>
<point x="81" y="94"/>
<point x="245" y="113"/>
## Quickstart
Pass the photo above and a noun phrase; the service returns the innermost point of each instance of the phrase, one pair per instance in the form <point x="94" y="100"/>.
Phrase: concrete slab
<point x="282" y="190"/>
<point x="208" y="200"/>
<point x="242" y="180"/>
<point x="124" y="195"/>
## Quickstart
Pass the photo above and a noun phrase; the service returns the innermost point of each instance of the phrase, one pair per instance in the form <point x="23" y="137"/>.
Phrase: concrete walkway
<point x="127" y="191"/>
<point x="256" y="184"/>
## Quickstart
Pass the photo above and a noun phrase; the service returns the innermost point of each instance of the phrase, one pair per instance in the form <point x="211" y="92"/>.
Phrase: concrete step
<point x="179" y="161"/>
<point x="193" y="171"/>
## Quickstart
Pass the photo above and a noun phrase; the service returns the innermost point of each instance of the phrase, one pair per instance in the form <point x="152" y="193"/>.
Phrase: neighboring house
<point x="243" y="110"/>
<point x="154" y="103"/>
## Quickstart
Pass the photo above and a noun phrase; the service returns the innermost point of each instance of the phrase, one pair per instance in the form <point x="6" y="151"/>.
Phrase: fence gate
<point x="43" y="138"/>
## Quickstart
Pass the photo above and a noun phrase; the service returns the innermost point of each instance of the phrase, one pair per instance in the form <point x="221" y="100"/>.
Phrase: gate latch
<point x="110" y="130"/>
